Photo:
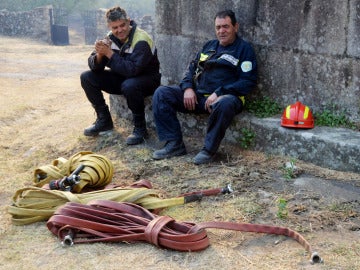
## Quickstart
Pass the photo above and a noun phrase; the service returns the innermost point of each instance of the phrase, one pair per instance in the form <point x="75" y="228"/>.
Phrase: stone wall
<point x="33" y="24"/>
<point x="36" y="24"/>
<point x="96" y="27"/>
<point x="307" y="50"/>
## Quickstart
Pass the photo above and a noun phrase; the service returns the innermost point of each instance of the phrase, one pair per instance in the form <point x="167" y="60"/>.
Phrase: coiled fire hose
<point x="97" y="171"/>
<point x="107" y="221"/>
<point x="35" y="204"/>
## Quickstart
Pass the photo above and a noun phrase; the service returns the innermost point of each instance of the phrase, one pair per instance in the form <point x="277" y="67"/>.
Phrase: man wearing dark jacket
<point x="223" y="72"/>
<point x="124" y="63"/>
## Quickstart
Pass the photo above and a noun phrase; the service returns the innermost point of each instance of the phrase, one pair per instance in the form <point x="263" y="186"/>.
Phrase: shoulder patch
<point x="246" y="66"/>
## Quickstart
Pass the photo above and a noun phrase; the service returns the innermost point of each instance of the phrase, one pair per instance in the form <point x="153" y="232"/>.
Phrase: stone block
<point x="312" y="26"/>
<point x="333" y="148"/>
<point x="323" y="27"/>
<point x="287" y="77"/>
<point x="168" y="17"/>
<point x="175" y="54"/>
<point x="353" y="48"/>
<point x="271" y="18"/>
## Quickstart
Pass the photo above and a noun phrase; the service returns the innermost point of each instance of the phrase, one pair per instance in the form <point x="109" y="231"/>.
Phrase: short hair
<point x="227" y="13"/>
<point x="116" y="13"/>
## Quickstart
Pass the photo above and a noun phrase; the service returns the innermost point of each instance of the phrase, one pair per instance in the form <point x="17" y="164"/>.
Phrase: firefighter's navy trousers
<point x="168" y="100"/>
<point x="134" y="89"/>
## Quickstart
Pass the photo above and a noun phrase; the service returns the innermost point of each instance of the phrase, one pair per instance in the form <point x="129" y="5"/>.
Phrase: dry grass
<point x="42" y="115"/>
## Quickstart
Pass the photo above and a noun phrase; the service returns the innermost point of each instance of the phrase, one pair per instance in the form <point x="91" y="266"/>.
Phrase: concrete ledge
<point x="333" y="148"/>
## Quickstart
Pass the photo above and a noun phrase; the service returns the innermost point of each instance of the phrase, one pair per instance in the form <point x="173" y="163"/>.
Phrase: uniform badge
<point x="246" y="66"/>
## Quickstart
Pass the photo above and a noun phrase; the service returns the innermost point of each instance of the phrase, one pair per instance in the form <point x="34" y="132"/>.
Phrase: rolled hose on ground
<point x="108" y="221"/>
<point x="97" y="172"/>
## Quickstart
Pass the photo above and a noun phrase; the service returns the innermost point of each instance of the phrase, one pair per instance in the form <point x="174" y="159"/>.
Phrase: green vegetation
<point x="289" y="170"/>
<point x="282" y="208"/>
<point x="331" y="116"/>
<point x="247" y="138"/>
<point x="345" y="208"/>
<point x="263" y="107"/>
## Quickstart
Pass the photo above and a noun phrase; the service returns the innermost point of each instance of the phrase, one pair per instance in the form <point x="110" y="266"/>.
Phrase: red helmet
<point x="297" y="115"/>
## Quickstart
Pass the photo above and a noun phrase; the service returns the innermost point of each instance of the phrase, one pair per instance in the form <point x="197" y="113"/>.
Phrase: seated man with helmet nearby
<point x="219" y="77"/>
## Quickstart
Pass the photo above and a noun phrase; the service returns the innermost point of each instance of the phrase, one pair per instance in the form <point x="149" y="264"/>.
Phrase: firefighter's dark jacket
<point x="223" y="70"/>
<point x="137" y="56"/>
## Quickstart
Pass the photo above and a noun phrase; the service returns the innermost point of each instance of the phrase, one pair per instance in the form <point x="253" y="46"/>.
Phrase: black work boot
<point x="103" y="122"/>
<point x="139" y="133"/>
<point x="203" y="157"/>
<point x="171" y="149"/>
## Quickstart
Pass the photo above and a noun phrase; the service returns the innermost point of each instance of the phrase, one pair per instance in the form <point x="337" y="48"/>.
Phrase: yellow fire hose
<point x="97" y="172"/>
<point x="35" y="204"/>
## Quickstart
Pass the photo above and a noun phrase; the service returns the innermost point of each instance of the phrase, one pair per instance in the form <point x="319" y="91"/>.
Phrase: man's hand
<point x="102" y="48"/>
<point x="210" y="100"/>
<point x="190" y="99"/>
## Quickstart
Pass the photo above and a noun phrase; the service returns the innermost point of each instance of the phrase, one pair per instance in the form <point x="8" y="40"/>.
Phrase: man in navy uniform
<point x="216" y="82"/>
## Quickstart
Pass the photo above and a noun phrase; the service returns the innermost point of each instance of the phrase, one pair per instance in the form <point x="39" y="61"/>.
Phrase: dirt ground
<point x="43" y="112"/>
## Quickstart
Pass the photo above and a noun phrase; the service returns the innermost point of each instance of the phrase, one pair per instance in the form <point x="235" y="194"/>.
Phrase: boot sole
<point x="136" y="141"/>
<point x="106" y="133"/>
<point x="140" y="141"/>
<point x="200" y="161"/>
<point x="180" y="152"/>
<point x="101" y="133"/>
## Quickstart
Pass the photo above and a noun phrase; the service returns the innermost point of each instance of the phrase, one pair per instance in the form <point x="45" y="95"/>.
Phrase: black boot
<point x="103" y="122"/>
<point x="171" y="149"/>
<point x="139" y="133"/>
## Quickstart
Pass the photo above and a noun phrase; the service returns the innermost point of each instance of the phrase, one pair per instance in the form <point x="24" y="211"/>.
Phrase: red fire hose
<point x="108" y="221"/>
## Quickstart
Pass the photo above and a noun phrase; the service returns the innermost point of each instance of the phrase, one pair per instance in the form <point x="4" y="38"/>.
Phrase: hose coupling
<point x="315" y="258"/>
<point x="68" y="241"/>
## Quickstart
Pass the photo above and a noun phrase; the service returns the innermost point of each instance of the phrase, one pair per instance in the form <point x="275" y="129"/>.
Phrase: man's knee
<point x="157" y="97"/>
<point x="127" y="87"/>
<point x="167" y="91"/>
<point x="85" y="76"/>
<point x="164" y="98"/>
<point x="228" y="103"/>
<point x="159" y="92"/>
